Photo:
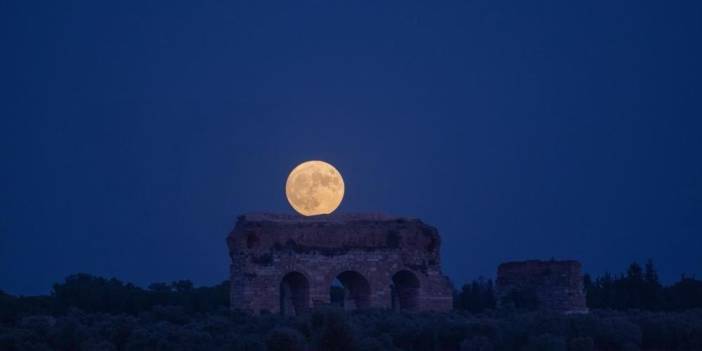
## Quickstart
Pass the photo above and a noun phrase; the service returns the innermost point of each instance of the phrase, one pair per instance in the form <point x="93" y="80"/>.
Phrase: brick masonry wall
<point x="557" y="285"/>
<point x="265" y="247"/>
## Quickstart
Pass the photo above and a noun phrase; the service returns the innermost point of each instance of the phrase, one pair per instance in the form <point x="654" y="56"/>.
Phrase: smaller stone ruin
<point x="555" y="286"/>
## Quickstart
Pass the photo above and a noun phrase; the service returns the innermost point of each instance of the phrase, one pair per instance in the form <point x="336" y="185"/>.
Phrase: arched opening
<point x="336" y="293"/>
<point x="294" y="294"/>
<point x="350" y="290"/>
<point x="405" y="291"/>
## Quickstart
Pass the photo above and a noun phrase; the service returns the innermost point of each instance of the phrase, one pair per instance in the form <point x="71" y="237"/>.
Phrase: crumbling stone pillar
<point x="547" y="285"/>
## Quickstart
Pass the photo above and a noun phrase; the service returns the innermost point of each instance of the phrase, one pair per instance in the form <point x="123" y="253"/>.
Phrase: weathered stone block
<point x="549" y="285"/>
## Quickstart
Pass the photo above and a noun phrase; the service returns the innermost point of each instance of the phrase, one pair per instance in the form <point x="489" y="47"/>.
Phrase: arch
<point x="405" y="291"/>
<point x="294" y="294"/>
<point x="355" y="292"/>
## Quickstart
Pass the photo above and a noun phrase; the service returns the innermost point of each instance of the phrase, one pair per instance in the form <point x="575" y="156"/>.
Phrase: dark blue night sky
<point x="133" y="134"/>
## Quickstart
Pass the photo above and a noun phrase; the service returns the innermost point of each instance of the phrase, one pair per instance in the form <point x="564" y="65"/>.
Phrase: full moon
<point x="314" y="188"/>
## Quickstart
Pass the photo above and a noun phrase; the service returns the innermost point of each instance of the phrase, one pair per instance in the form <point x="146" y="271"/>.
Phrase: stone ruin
<point x="287" y="263"/>
<point x="555" y="286"/>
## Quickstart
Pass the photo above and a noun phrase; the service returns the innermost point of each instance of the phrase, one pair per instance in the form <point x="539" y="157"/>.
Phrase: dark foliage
<point x="639" y="288"/>
<point x="521" y="299"/>
<point x="332" y="329"/>
<point x="100" y="295"/>
<point x="92" y="313"/>
<point x="476" y="296"/>
<point x="336" y="295"/>
<point x="285" y="339"/>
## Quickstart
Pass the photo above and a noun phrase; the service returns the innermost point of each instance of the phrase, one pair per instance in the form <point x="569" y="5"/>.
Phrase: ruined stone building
<point x="288" y="263"/>
<point x="547" y="285"/>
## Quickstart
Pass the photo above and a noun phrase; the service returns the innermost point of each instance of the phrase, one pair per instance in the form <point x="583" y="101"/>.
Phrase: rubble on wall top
<point x="334" y="217"/>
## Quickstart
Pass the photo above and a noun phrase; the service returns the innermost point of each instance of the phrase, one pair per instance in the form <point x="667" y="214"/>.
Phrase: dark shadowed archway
<point x="294" y="294"/>
<point x="350" y="290"/>
<point x="405" y="291"/>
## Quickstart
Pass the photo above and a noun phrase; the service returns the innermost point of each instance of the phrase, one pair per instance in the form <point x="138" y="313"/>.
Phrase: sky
<point x="133" y="133"/>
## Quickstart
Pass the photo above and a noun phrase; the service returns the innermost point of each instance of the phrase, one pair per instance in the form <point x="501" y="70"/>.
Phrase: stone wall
<point x="288" y="263"/>
<point x="549" y="285"/>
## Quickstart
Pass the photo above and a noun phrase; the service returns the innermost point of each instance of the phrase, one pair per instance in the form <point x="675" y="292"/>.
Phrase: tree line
<point x="637" y="288"/>
<point x="93" y="294"/>
<point x="629" y="311"/>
